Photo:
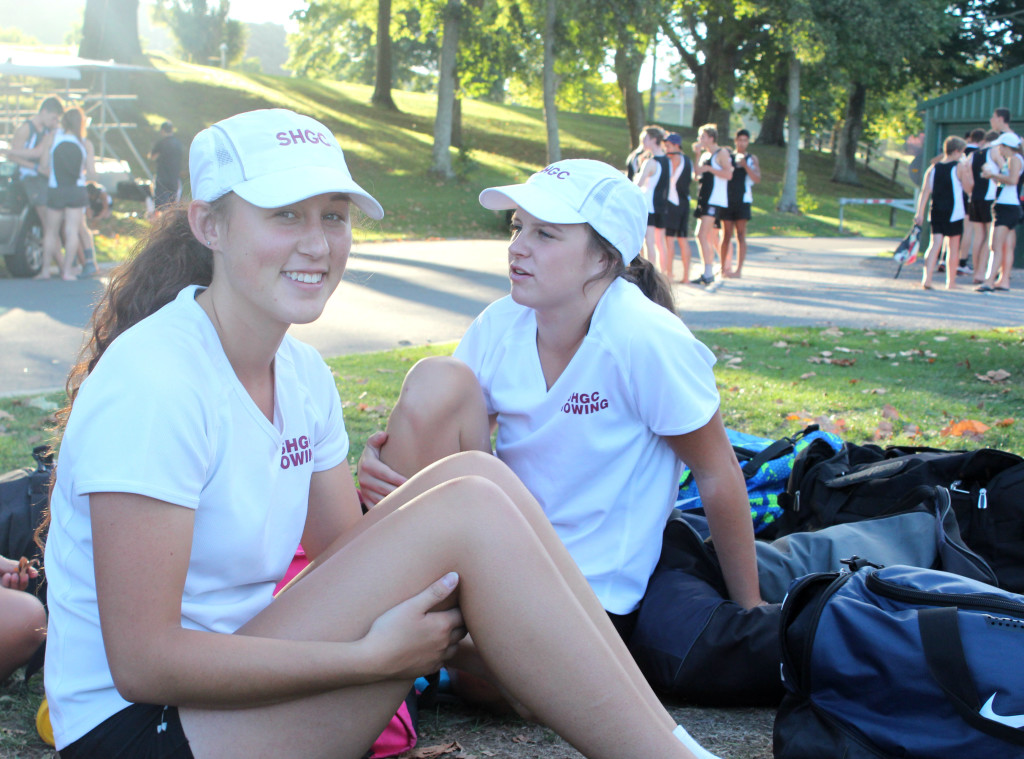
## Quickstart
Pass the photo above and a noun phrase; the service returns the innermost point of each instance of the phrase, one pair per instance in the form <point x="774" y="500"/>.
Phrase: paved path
<point x="411" y="293"/>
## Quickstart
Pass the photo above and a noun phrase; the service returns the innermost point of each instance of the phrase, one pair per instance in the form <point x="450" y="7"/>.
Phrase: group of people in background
<point x="56" y="161"/>
<point x="978" y="179"/>
<point x="725" y="178"/>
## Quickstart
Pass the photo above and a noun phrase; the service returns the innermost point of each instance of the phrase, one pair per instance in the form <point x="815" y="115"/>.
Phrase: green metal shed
<point x="970" y="107"/>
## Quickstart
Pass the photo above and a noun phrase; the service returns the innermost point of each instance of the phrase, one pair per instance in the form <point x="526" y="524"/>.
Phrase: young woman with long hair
<point x="203" y="443"/>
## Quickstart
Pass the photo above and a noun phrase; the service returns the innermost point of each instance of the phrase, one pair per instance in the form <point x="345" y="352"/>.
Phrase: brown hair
<point x="168" y="259"/>
<point x="73" y="122"/>
<point x="711" y="129"/>
<point x="952" y="144"/>
<point x="640" y="271"/>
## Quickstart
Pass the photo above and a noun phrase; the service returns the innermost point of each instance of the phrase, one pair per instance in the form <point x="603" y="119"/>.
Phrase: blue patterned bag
<point x="766" y="465"/>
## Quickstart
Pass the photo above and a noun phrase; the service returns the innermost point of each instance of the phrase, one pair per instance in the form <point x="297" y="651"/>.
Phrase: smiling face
<point x="549" y="264"/>
<point x="274" y="267"/>
<point x="742" y="143"/>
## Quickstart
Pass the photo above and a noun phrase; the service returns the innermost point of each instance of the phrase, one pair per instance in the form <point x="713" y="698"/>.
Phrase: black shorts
<point x="624" y="623"/>
<point x="677" y="220"/>
<point x="947" y="228"/>
<point x="656" y="220"/>
<point x="35" y="188"/>
<point x="1006" y="215"/>
<point x="980" y="211"/>
<point x="715" y="211"/>
<point x="139" y="731"/>
<point x="739" y="212"/>
<point x="59" y="198"/>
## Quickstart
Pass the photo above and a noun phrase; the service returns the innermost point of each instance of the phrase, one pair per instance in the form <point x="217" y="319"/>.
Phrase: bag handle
<point x="773" y="451"/>
<point x="944" y="652"/>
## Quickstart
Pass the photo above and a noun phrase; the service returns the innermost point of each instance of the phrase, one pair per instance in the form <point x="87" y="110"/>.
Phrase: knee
<point x="23" y="625"/>
<point x="434" y="388"/>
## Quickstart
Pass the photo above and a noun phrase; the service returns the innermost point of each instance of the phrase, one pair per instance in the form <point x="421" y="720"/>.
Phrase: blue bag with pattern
<point x="766" y="466"/>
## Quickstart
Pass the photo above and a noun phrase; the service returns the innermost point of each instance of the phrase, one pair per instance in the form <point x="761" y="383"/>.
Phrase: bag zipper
<point x="982" y="493"/>
<point x="805" y="667"/>
<point x="973" y="601"/>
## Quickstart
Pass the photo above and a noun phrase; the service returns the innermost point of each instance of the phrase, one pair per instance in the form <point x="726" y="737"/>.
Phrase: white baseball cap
<point x="271" y="158"/>
<point x="580" y="191"/>
<point x="1009" y="139"/>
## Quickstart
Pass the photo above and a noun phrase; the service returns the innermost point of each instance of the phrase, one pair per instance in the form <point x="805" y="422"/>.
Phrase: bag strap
<point x="773" y="451"/>
<point x="944" y="652"/>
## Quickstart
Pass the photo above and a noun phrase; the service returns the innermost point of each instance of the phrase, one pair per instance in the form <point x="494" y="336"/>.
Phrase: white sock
<point x="687" y="740"/>
<point x="709" y="271"/>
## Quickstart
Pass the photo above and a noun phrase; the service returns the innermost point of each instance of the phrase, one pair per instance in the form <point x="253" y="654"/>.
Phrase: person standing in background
<point x="167" y="153"/>
<point x="677" y="210"/>
<point x="746" y="173"/>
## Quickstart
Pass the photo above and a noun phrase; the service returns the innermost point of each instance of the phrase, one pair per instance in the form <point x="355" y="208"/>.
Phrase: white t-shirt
<point x="590" y="449"/>
<point x="164" y="415"/>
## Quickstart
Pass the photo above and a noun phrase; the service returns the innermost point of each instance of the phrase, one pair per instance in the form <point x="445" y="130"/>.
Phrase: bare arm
<point x="90" y="161"/>
<point x="726" y="171"/>
<point x="966" y="175"/>
<point x="141" y="548"/>
<point x="926" y="193"/>
<point x="44" y="162"/>
<point x="19" y="153"/>
<point x="641" y="179"/>
<point x="709" y="455"/>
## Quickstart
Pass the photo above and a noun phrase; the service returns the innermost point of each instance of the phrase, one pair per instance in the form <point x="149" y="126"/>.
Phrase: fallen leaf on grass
<point x="452" y="749"/>
<point x="6" y="414"/>
<point x="808" y="375"/>
<point x="853" y="381"/>
<point x="844" y="361"/>
<point x="1008" y="422"/>
<point x="883" y="431"/>
<point x="941" y="338"/>
<point x="522" y="739"/>
<point x="911" y="430"/>
<point x="968" y="428"/>
<point x="382" y="370"/>
<point x="889" y="412"/>
<point x="832" y="332"/>
<point x="780" y="344"/>
<point x="994" y="376"/>
<point x="875" y="391"/>
<point x="826" y="424"/>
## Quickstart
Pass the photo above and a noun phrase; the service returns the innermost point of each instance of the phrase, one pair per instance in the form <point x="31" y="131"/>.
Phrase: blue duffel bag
<point x="900" y="662"/>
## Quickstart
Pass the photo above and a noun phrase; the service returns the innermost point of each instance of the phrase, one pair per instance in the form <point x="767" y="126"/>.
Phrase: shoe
<point x="703" y="279"/>
<point x="89" y="270"/>
<point x="983" y="289"/>
<point x="1001" y="289"/>
<point x="940" y="268"/>
<point x="964" y="270"/>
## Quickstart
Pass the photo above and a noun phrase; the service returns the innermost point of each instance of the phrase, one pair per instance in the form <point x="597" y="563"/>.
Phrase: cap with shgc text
<point x="578" y="191"/>
<point x="271" y="158"/>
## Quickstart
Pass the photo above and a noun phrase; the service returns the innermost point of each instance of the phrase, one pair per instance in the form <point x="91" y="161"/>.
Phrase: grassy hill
<point x="389" y="153"/>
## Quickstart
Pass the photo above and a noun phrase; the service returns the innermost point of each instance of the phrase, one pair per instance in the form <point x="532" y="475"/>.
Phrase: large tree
<point x="441" y="162"/>
<point x="110" y="30"/>
<point x="382" y="78"/>
<point x="201" y="29"/>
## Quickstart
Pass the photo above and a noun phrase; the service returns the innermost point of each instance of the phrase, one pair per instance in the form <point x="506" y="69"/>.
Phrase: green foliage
<point x="200" y="29"/>
<point x="806" y="201"/>
<point x="15" y="36"/>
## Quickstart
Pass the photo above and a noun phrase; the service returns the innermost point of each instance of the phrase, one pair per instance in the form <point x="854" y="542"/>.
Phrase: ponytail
<point x="166" y="260"/>
<point x="640" y="272"/>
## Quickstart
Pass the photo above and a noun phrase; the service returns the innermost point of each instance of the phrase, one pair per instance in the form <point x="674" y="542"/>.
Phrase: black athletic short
<point x="656" y="220"/>
<point x="624" y="623"/>
<point x="980" y="211"/>
<point x="677" y="220"/>
<point x="140" y="731"/>
<point x="59" y="198"/>
<point x="715" y="211"/>
<point x="1007" y="215"/>
<point x="947" y="228"/>
<point x="739" y="212"/>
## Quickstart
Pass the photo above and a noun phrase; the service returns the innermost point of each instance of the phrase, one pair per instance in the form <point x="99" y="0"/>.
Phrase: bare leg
<point x="953" y="262"/>
<point x="468" y="525"/>
<point x="930" y="259"/>
<point x="684" y="255"/>
<point x="979" y="254"/>
<point x="649" y="245"/>
<point x="72" y="224"/>
<point x="707" y="241"/>
<point x="1009" y="246"/>
<point x="664" y="255"/>
<point x="726" y="250"/>
<point x="441" y="411"/>
<point x="741" y="247"/>
<point x="51" y="220"/>
<point x="22" y="629"/>
<point x="999" y="235"/>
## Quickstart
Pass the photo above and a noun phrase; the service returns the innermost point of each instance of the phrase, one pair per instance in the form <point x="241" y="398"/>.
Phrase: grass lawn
<point x="946" y="389"/>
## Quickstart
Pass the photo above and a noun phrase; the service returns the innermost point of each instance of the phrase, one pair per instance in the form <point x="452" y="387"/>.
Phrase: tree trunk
<point x="550" y="110"/>
<point x="382" y="79"/>
<point x="441" y="165"/>
<point x="773" y="121"/>
<point x="457" y="118"/>
<point x="853" y="125"/>
<point x="788" y="204"/>
<point x="110" y="29"/>
<point x="627" y="76"/>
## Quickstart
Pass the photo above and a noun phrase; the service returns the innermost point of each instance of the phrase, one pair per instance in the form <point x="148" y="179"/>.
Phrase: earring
<point x="209" y="244"/>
